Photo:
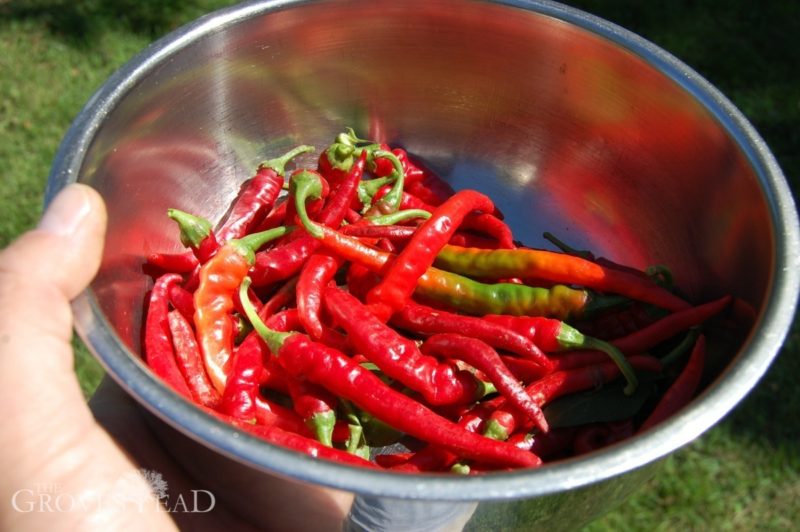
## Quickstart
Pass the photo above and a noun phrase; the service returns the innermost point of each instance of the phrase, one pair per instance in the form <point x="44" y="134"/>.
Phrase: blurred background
<point x="742" y="475"/>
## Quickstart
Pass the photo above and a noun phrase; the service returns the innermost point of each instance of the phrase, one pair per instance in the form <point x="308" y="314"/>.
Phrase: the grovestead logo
<point x="134" y="491"/>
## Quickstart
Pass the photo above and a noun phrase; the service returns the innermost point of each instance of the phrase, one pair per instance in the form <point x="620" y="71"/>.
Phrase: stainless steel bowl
<point x="572" y="124"/>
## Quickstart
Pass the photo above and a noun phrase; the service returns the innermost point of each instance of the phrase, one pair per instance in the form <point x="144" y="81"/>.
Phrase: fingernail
<point x="67" y="211"/>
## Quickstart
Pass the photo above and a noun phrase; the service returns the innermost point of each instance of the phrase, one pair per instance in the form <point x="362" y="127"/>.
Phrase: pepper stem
<point x="495" y="431"/>
<point x="399" y="216"/>
<point x="572" y="338"/>
<point x="391" y="201"/>
<point x="322" y="423"/>
<point x="273" y="339"/>
<point x="305" y="185"/>
<point x="194" y="229"/>
<point x="350" y="138"/>
<point x="566" y="248"/>
<point x="682" y="348"/>
<point x="279" y="163"/>
<point x="248" y="245"/>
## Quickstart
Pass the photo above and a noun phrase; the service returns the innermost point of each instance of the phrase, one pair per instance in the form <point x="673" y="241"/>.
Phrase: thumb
<point x="39" y="274"/>
<point x="64" y="250"/>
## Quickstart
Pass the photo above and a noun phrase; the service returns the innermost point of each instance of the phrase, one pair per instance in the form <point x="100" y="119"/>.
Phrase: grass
<point x="744" y="474"/>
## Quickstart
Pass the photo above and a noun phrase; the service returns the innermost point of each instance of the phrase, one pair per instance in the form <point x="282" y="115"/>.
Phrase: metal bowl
<point x="570" y="123"/>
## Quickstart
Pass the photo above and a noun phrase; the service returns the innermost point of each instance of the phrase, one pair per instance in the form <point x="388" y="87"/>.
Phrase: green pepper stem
<point x="367" y="189"/>
<point x="273" y="339"/>
<point x="248" y="245"/>
<point x="322" y="423"/>
<point x="279" y="163"/>
<point x="306" y="185"/>
<point x="571" y="338"/>
<point x="194" y="229"/>
<point x="399" y="216"/>
<point x="495" y="431"/>
<point x="392" y="199"/>
<point x="350" y="138"/>
<point x="682" y="348"/>
<point x="566" y="248"/>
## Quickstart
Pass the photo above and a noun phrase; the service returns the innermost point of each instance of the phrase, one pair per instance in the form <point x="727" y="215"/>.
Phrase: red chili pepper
<point x="187" y="355"/>
<point x="426" y="320"/>
<point x="220" y="278"/>
<point x="504" y="421"/>
<point x="383" y="166"/>
<point x="277" y="436"/>
<point x="182" y="300"/>
<point x="159" y="353"/>
<point x="306" y="193"/>
<point x="491" y="225"/>
<point x="269" y="413"/>
<point x="316" y="273"/>
<point x="471" y="296"/>
<point x="394" y="233"/>
<point x="304" y="358"/>
<point x="670" y="325"/>
<point x="196" y="234"/>
<point x="397" y="356"/>
<point x="557" y="268"/>
<point x="284" y="261"/>
<point x="257" y="197"/>
<point x="173" y="262"/>
<point x="314" y="404"/>
<point x="555" y="335"/>
<point x="680" y="392"/>
<point x="274" y="218"/>
<point x="483" y="357"/>
<point x="402" y="275"/>
<point x="289" y="320"/>
<point x="243" y="378"/>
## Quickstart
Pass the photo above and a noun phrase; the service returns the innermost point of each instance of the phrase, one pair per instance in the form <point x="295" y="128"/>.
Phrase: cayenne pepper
<point x="304" y="358"/>
<point x="220" y="278"/>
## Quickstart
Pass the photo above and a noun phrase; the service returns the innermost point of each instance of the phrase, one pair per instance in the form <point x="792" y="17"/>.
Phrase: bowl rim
<point x="728" y="389"/>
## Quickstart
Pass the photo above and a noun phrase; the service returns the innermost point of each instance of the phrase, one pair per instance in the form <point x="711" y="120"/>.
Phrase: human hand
<point x="52" y="443"/>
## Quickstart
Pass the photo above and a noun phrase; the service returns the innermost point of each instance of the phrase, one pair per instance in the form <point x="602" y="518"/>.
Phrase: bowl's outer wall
<point x="566" y="130"/>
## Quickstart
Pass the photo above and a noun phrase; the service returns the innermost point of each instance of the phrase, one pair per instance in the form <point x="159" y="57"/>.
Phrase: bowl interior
<point x="614" y="149"/>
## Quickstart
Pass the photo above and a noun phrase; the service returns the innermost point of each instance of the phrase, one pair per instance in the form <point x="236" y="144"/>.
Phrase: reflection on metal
<point x="580" y="127"/>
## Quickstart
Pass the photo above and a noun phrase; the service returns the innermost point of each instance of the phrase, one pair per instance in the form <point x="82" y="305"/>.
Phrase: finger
<point x="48" y="433"/>
<point x="39" y="274"/>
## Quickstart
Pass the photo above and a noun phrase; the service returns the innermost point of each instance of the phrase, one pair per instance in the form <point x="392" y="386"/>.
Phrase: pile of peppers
<point x="363" y="311"/>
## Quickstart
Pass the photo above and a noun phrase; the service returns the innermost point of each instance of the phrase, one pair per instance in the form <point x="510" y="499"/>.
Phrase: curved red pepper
<point x="187" y="355"/>
<point x="398" y="356"/>
<point x="482" y="357"/>
<point x="257" y="197"/>
<point x="328" y="367"/>
<point x="682" y="390"/>
<point x="159" y="353"/>
<point x="401" y="277"/>
<point x="286" y="260"/>
<point x="426" y="320"/>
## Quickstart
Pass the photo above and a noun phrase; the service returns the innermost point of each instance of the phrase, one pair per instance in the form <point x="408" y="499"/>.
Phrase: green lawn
<point x="742" y="475"/>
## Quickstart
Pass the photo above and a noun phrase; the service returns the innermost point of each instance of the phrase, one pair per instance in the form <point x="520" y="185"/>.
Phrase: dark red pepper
<point x="400" y="279"/>
<point x="304" y="358"/>
<point x="397" y="356"/>
<point x="680" y="392"/>
<point x="190" y="362"/>
<point x="159" y="353"/>
<point x="257" y="197"/>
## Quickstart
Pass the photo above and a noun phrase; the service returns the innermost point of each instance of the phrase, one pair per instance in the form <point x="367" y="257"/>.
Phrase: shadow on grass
<point x="82" y="22"/>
